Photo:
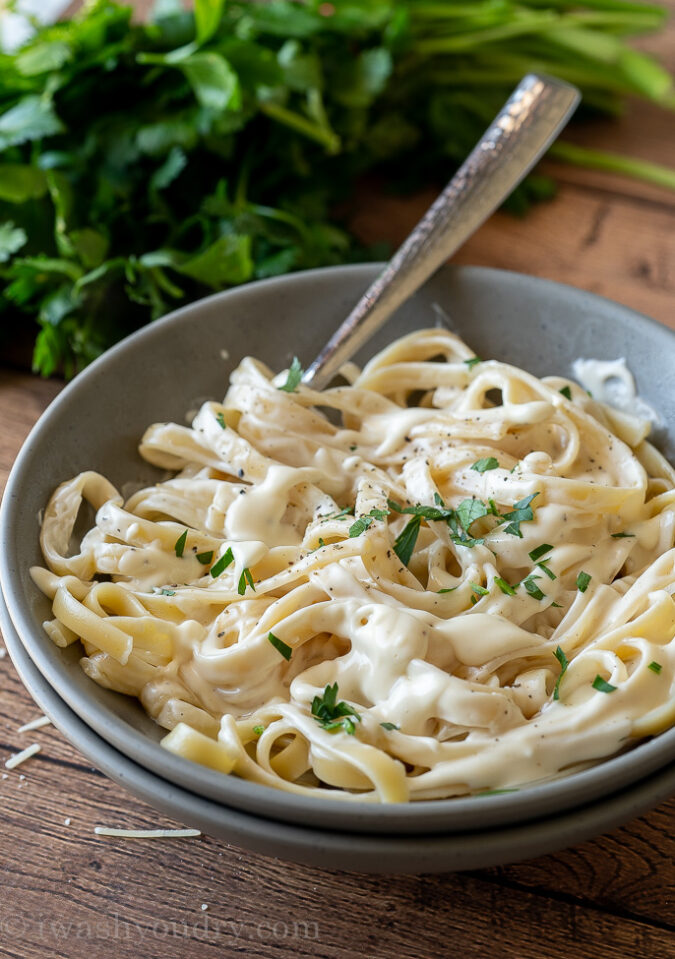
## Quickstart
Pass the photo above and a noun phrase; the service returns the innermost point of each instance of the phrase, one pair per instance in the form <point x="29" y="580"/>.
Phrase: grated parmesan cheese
<point x="34" y="724"/>
<point x="21" y="757"/>
<point x="146" y="833"/>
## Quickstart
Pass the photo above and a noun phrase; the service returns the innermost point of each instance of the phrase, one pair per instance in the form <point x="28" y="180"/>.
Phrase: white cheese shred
<point x="146" y="833"/>
<point x="35" y="724"/>
<point x="21" y="757"/>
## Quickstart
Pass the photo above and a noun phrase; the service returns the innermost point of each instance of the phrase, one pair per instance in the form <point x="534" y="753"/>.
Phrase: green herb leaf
<point x="365" y="522"/>
<point x="504" y="586"/>
<point x="564" y="663"/>
<point x="179" y="545"/>
<point x="404" y="544"/>
<point x="473" y="361"/>
<point x="205" y="558"/>
<point x="389" y="726"/>
<point x="11" y="239"/>
<point x="479" y="590"/>
<point x="521" y="513"/>
<point x="623" y="535"/>
<point x="566" y="392"/>
<point x="333" y="715"/>
<point x="347" y="511"/>
<point x="295" y="374"/>
<point x="583" y="579"/>
<point x="485" y="464"/>
<point x="220" y="419"/>
<point x="602" y="685"/>
<point x="469" y="510"/>
<point x="449" y="589"/>
<point x="282" y="647"/>
<point x="540" y="551"/>
<point x="655" y="667"/>
<point x="532" y="588"/>
<point x="221" y="564"/>
<point x="244" y="579"/>
<point x="544" y="568"/>
<point x="258" y="730"/>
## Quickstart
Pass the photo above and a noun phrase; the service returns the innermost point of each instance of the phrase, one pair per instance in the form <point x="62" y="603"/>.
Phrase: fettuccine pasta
<point x="465" y="586"/>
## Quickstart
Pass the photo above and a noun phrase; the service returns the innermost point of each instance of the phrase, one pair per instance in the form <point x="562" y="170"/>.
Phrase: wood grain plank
<point x="616" y="246"/>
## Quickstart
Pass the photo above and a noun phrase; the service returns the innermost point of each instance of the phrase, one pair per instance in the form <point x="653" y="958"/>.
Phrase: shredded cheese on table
<point x="21" y="757"/>
<point x="466" y="585"/>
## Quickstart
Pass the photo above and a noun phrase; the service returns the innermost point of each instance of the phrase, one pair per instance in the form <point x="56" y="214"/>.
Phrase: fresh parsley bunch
<point x="144" y="165"/>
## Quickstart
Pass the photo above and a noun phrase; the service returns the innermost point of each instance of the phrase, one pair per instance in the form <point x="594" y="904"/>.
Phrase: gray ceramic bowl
<point x="159" y="373"/>
<point x="400" y="853"/>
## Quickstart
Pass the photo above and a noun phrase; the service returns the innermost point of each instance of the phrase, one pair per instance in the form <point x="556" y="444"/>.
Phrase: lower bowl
<point x="158" y="373"/>
<point x="444" y="852"/>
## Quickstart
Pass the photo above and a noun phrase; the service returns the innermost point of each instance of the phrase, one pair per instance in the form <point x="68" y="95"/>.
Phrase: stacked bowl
<point x="160" y="373"/>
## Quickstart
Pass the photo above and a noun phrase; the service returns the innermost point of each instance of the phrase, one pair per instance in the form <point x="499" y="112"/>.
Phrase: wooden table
<point x="68" y="893"/>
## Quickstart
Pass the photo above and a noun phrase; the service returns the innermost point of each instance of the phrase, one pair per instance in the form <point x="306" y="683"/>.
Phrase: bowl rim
<point x="422" y="815"/>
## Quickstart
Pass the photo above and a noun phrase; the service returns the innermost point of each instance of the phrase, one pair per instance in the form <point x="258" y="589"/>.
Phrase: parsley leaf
<point x="281" y="647"/>
<point x="404" y="544"/>
<point x="347" y="511"/>
<point x="564" y="663"/>
<point x="365" y="522"/>
<point x="623" y="535"/>
<point x="333" y="715"/>
<point x="521" y="513"/>
<point x="566" y="392"/>
<point x="535" y="554"/>
<point x="221" y="564"/>
<point x="244" y="579"/>
<point x="389" y="726"/>
<point x="479" y="590"/>
<point x="179" y="545"/>
<point x="258" y="730"/>
<point x="532" y="588"/>
<point x="220" y="419"/>
<point x="295" y="374"/>
<point x="473" y="361"/>
<point x="602" y="685"/>
<point x="544" y="568"/>
<point x="485" y="464"/>
<point x="583" y="579"/>
<point x="504" y="586"/>
<point x="655" y="667"/>
<point x="205" y="558"/>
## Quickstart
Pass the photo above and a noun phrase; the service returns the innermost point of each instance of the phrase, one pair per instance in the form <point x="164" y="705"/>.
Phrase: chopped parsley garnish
<point x="623" y="535"/>
<point x="540" y="551"/>
<point x="485" y="464"/>
<point x="655" y="667"/>
<point x="583" y="579"/>
<point x="389" y="726"/>
<point x="244" y="579"/>
<point x="479" y="590"/>
<point x="544" y="568"/>
<point x="347" y="511"/>
<point x="469" y="510"/>
<point x="332" y="715"/>
<point x="602" y="685"/>
<point x="221" y="564"/>
<point x="473" y="361"/>
<point x="365" y="522"/>
<point x="179" y="545"/>
<point x="353" y="447"/>
<point x="532" y="587"/>
<point x="504" y="586"/>
<point x="321" y="543"/>
<point x="258" y="730"/>
<point x="280" y="646"/>
<point x="566" y="392"/>
<point x="205" y="558"/>
<point x="294" y="376"/>
<point x="406" y="539"/>
<point x="220" y="418"/>
<point x="521" y="513"/>
<point x="564" y="663"/>
<point x="450" y="589"/>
